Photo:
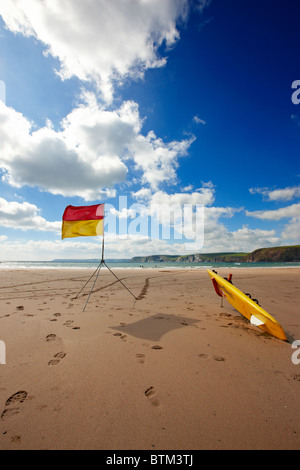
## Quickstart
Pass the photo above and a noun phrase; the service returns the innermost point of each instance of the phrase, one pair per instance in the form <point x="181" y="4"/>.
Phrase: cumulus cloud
<point x="158" y="160"/>
<point x="54" y="161"/>
<point x="245" y="237"/>
<point x="277" y="214"/>
<point x="203" y="196"/>
<point x="178" y="210"/>
<point x="89" y="154"/>
<point x="291" y="231"/>
<point x="218" y="238"/>
<point x="24" y="216"/>
<point x="188" y="216"/>
<point x="283" y="194"/>
<point x="125" y="36"/>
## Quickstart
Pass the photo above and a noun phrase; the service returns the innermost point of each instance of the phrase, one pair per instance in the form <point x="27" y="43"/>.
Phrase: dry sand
<point x="170" y="371"/>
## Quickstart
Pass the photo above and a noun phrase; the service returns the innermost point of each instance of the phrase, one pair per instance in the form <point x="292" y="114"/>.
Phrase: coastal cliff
<point x="280" y="254"/>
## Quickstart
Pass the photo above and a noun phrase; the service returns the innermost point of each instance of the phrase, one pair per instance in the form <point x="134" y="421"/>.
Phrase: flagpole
<point x="102" y="259"/>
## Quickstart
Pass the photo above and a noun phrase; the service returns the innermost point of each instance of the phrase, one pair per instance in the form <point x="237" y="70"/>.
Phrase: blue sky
<point x="165" y="103"/>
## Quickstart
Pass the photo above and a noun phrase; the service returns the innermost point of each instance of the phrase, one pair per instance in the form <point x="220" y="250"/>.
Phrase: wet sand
<point x="172" y="370"/>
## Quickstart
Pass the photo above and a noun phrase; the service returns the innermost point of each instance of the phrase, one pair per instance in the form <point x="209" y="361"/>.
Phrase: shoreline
<point x="156" y="267"/>
<point x="173" y="370"/>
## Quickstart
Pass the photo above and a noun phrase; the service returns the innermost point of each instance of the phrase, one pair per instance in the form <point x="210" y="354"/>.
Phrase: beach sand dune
<point x="171" y="370"/>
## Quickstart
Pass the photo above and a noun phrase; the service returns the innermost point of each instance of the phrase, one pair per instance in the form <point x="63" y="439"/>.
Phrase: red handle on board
<point x="216" y="287"/>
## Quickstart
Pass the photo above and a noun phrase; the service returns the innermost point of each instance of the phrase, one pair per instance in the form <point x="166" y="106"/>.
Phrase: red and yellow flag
<point x="82" y="221"/>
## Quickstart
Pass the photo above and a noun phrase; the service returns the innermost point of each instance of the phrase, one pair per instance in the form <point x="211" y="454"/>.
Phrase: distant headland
<point x="278" y="254"/>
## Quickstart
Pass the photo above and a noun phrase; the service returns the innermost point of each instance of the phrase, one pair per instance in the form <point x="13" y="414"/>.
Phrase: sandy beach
<point x="172" y="370"/>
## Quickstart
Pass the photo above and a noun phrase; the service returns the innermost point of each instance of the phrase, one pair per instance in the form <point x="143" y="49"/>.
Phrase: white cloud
<point x="277" y="214"/>
<point x="99" y="40"/>
<point x="177" y="211"/>
<point x="88" y="155"/>
<point x="142" y="195"/>
<point x="291" y="231"/>
<point x="245" y="238"/>
<point x="124" y="213"/>
<point x="156" y="159"/>
<point x="218" y="238"/>
<point x="68" y="162"/>
<point x="24" y="216"/>
<point x="168" y="210"/>
<point x="203" y="196"/>
<point x="198" y="120"/>
<point x="284" y="194"/>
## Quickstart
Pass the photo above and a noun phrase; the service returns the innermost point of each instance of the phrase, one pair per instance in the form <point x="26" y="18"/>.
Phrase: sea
<point x="86" y="264"/>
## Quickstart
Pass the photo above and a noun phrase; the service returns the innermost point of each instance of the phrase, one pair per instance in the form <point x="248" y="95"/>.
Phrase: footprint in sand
<point x="219" y="358"/>
<point x="9" y="412"/>
<point x="51" y="337"/>
<point x="53" y="362"/>
<point x="203" y="356"/>
<point x="57" y="357"/>
<point x="61" y="355"/>
<point x="152" y="396"/>
<point x="68" y="323"/>
<point x="215" y="358"/>
<point x="141" y="358"/>
<point x="17" y="397"/>
<point x="123" y="337"/>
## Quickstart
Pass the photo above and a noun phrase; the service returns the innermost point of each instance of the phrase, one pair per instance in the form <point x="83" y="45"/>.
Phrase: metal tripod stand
<point x="96" y="274"/>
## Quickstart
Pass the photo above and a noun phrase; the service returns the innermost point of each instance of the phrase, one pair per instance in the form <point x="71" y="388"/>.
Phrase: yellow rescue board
<point x="246" y="306"/>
